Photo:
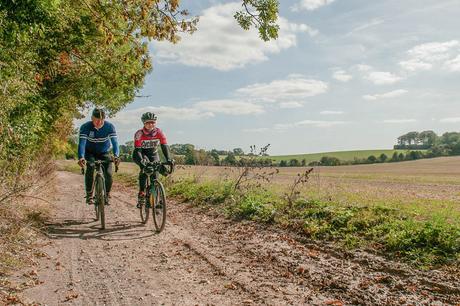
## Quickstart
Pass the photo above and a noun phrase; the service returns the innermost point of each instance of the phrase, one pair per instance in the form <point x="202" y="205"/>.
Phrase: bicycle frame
<point x="155" y="195"/>
<point x="100" y="198"/>
<point x="99" y="171"/>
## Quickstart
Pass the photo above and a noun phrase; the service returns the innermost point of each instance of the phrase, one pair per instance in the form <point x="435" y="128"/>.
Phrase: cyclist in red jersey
<point x="146" y="143"/>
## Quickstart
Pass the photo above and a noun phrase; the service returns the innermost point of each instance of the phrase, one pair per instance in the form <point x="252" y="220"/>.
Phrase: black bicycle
<point x="98" y="190"/>
<point x="155" y="194"/>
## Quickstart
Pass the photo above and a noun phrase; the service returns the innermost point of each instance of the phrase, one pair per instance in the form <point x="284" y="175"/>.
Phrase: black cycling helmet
<point x="148" y="116"/>
<point x="98" y="113"/>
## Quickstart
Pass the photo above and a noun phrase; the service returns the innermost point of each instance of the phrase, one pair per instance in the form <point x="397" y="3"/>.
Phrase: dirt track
<point x="201" y="258"/>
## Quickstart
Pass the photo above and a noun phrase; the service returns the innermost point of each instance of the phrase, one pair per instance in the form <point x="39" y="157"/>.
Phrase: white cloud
<point x="363" y="68"/>
<point x="426" y="56"/>
<point x="383" y="78"/>
<point x="315" y="123"/>
<point x="450" y="120"/>
<point x="342" y="75"/>
<point x="296" y="76"/>
<point x="256" y="130"/>
<point x="319" y="123"/>
<point x="415" y="64"/>
<point x="310" y="5"/>
<point x="200" y="110"/>
<point x="221" y="44"/>
<point x="284" y="90"/>
<point x="288" y="93"/>
<point x="229" y="107"/>
<point x="453" y="64"/>
<point x="290" y="105"/>
<point x="377" y="77"/>
<point x="399" y="121"/>
<point x="391" y="94"/>
<point x="331" y="113"/>
<point x="128" y="117"/>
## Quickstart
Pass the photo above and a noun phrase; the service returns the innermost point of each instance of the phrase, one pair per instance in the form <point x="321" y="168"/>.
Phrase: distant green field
<point x="342" y="155"/>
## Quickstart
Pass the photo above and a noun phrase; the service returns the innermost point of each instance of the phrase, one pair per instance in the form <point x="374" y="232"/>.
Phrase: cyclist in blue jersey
<point x="96" y="138"/>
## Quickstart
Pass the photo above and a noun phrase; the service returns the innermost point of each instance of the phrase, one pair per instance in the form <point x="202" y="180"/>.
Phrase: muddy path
<point x="204" y="259"/>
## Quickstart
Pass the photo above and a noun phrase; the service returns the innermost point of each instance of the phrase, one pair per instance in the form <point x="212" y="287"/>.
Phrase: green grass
<point x="342" y="155"/>
<point x="413" y="233"/>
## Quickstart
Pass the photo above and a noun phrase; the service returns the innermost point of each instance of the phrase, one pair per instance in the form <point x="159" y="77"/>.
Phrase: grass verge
<point x="388" y="231"/>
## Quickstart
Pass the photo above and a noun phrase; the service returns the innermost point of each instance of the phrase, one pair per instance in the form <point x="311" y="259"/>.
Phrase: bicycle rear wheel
<point x="144" y="210"/>
<point x="100" y="199"/>
<point x="159" y="207"/>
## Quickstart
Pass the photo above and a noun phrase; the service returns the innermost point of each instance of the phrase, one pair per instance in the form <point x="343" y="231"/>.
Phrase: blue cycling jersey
<point x="97" y="141"/>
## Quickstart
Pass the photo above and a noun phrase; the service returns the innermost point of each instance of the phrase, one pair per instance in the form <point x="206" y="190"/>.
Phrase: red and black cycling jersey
<point x="149" y="140"/>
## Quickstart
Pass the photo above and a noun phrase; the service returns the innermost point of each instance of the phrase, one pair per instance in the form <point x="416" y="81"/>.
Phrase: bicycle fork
<point x="153" y="193"/>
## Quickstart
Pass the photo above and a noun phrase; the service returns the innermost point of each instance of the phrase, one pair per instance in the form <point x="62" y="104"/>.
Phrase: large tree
<point x="60" y="56"/>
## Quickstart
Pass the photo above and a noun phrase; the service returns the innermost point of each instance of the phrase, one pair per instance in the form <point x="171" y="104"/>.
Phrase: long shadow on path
<point x="90" y="229"/>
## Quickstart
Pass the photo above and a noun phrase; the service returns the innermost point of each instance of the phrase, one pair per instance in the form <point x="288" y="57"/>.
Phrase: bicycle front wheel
<point x="145" y="210"/>
<point x="100" y="199"/>
<point x="159" y="207"/>
<point x="96" y="210"/>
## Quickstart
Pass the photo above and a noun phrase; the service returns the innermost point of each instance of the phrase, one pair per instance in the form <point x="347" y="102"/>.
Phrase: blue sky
<point x="343" y="75"/>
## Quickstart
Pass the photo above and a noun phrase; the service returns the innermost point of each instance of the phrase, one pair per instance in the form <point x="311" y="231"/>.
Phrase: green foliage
<point x="238" y="151"/>
<point x="208" y="192"/>
<point x="59" y="56"/>
<point x="426" y="243"/>
<point x="372" y="159"/>
<point x="190" y="156"/>
<point x="261" y="14"/>
<point x="329" y="161"/>
<point x="343" y="156"/>
<point x="383" y="158"/>
<point x="181" y="149"/>
<point x="254" y="205"/>
<point x="230" y="160"/>
<point x="395" y="157"/>
<point x="446" y="144"/>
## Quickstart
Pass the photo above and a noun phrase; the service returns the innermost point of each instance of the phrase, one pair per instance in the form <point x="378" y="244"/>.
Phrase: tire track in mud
<point x="202" y="258"/>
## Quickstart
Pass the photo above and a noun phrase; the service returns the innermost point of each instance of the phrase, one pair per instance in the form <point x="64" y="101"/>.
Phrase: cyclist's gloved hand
<point x="143" y="163"/>
<point x="170" y="162"/>
<point x="116" y="161"/>
<point x="81" y="162"/>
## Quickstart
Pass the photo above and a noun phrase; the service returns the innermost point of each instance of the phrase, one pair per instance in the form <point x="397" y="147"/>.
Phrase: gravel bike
<point x="98" y="190"/>
<point x="155" y="194"/>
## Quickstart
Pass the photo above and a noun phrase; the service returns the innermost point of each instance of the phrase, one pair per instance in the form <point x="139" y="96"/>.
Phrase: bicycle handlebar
<point x="98" y="162"/>
<point x="157" y="164"/>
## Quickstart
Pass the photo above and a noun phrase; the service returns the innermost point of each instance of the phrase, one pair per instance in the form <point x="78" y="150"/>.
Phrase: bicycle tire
<point x="144" y="210"/>
<point x="159" y="207"/>
<point x="100" y="199"/>
<point x="96" y="210"/>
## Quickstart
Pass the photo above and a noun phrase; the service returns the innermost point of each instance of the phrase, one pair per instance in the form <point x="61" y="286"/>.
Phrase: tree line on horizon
<point x="418" y="145"/>
<point x="446" y="144"/>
